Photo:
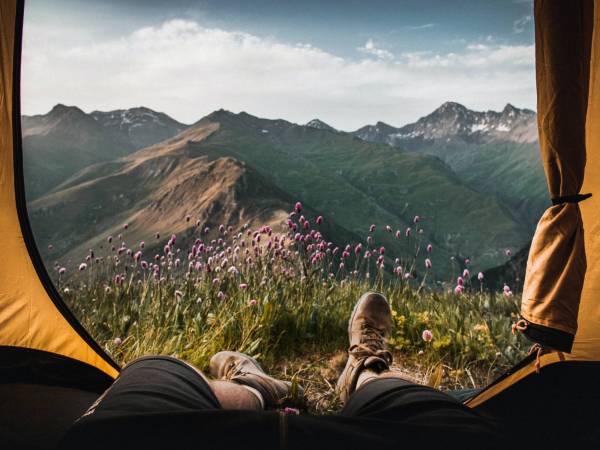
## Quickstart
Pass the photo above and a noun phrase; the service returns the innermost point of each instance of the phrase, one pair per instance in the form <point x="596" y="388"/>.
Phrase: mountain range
<point x="143" y="168"/>
<point x="66" y="140"/>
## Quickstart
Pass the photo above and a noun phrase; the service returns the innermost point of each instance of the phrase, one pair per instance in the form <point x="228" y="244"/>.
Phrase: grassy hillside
<point x="511" y="171"/>
<point x="264" y="293"/>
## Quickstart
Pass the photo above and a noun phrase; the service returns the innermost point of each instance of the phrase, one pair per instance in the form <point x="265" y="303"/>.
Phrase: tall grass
<point x="283" y="297"/>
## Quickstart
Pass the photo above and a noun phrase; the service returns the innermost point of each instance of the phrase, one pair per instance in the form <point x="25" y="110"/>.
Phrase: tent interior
<point x="52" y="370"/>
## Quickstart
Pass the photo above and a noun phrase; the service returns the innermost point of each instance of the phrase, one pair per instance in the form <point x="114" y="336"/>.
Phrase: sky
<point x="346" y="62"/>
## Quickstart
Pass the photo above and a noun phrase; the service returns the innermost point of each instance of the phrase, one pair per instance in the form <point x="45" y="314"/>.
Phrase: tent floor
<point x="36" y="416"/>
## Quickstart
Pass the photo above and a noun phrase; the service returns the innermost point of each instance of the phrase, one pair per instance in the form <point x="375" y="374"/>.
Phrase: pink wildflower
<point x="428" y="263"/>
<point x="480" y="276"/>
<point x="62" y="271"/>
<point x="460" y="281"/>
<point x="298" y="207"/>
<point x="466" y="273"/>
<point x="125" y="226"/>
<point x="319" y="220"/>
<point x="252" y="302"/>
<point x="508" y="252"/>
<point x="407" y="232"/>
<point x="459" y="289"/>
<point x="427" y="335"/>
<point x="429" y="248"/>
<point x="372" y="228"/>
<point x="243" y="285"/>
<point x="117" y="341"/>
<point x="82" y="267"/>
<point x="178" y="295"/>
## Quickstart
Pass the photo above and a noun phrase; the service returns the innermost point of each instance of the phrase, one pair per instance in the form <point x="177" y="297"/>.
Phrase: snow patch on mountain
<point x="455" y="121"/>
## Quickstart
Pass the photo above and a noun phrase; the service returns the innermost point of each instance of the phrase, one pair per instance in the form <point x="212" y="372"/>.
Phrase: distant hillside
<point x="58" y="144"/>
<point x="495" y="153"/>
<point x="234" y="168"/>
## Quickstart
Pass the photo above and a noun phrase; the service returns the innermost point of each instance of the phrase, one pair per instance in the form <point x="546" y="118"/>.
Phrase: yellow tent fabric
<point x="29" y="318"/>
<point x="587" y="339"/>
<point x="556" y="265"/>
<point x="560" y="292"/>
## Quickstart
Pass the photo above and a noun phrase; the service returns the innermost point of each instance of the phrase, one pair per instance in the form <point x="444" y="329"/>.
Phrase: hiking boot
<point x="242" y="369"/>
<point x="369" y="328"/>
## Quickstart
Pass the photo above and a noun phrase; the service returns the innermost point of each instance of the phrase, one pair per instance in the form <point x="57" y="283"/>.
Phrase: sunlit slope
<point x="163" y="189"/>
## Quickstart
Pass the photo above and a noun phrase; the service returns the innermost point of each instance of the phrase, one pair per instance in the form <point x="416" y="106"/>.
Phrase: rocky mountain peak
<point x="319" y="125"/>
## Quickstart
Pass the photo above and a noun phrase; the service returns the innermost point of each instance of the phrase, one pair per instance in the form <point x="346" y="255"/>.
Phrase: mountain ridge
<point x="68" y="140"/>
<point x="350" y="181"/>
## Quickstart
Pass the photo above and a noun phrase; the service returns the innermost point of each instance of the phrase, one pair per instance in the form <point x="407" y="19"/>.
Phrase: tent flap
<point x="36" y="327"/>
<point x="557" y="265"/>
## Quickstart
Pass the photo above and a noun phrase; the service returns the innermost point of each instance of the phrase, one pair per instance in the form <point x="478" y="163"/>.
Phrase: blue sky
<point x="347" y="62"/>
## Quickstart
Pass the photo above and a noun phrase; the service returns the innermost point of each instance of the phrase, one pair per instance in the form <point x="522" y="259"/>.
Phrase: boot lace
<point x="234" y="369"/>
<point x="372" y="343"/>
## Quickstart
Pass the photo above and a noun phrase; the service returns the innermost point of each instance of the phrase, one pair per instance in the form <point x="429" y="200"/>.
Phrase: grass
<point x="284" y="299"/>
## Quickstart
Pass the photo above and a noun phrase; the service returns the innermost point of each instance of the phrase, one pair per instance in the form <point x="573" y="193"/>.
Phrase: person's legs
<point x="162" y="402"/>
<point x="235" y="396"/>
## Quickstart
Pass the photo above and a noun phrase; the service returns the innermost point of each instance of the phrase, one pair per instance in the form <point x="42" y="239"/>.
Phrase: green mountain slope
<point x="58" y="144"/>
<point x="495" y="153"/>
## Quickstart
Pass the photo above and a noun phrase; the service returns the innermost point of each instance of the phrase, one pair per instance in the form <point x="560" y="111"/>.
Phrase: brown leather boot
<point x="242" y="369"/>
<point x="369" y="328"/>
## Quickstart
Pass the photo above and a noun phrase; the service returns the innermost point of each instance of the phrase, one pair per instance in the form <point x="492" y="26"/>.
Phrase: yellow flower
<point x="481" y="328"/>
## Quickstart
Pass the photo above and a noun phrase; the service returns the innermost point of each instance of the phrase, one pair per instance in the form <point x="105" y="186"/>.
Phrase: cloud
<point x="371" y="49"/>
<point x="478" y="56"/>
<point x="422" y="27"/>
<point x="188" y="70"/>
<point x="521" y="24"/>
